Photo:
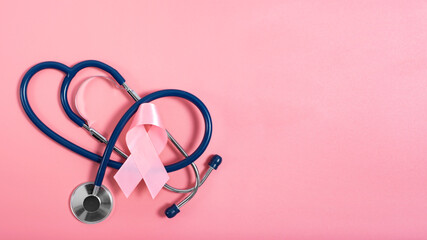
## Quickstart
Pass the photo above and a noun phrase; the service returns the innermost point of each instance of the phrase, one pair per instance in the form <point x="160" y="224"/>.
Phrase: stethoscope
<point x="92" y="202"/>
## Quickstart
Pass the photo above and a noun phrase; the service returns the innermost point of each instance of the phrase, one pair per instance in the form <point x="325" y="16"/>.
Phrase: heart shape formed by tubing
<point x="92" y="202"/>
<point x="70" y="74"/>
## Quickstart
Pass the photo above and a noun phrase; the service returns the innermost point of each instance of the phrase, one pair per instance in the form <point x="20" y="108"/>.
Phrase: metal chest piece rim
<point x="89" y="208"/>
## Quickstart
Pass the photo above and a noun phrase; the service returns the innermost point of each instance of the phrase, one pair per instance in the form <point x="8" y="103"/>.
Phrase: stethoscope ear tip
<point x="215" y="161"/>
<point x="172" y="211"/>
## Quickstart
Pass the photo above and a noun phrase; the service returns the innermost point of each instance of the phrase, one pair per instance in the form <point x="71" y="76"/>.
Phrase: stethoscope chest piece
<point x="90" y="207"/>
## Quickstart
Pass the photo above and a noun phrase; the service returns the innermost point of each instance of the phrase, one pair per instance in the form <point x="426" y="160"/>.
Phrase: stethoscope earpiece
<point x="215" y="161"/>
<point x="90" y="206"/>
<point x="172" y="211"/>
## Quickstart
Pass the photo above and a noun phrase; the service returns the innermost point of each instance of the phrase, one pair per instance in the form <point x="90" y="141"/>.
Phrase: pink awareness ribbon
<point x="145" y="147"/>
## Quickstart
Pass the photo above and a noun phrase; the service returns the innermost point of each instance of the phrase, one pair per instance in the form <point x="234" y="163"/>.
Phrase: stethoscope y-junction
<point x="92" y="202"/>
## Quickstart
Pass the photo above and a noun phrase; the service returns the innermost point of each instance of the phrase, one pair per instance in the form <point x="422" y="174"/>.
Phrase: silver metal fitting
<point x="98" y="136"/>
<point x="131" y="92"/>
<point x="95" y="190"/>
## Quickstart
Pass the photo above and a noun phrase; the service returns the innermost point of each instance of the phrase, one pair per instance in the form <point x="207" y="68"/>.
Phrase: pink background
<point x="319" y="110"/>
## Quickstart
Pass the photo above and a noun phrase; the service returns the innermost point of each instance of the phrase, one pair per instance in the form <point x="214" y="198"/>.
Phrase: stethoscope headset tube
<point x="105" y="159"/>
<point x="45" y="129"/>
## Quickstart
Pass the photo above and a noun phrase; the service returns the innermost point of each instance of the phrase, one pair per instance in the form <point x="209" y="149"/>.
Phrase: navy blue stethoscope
<point x="92" y="202"/>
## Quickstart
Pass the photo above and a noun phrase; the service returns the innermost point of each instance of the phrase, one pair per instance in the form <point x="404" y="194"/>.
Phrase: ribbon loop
<point x="145" y="147"/>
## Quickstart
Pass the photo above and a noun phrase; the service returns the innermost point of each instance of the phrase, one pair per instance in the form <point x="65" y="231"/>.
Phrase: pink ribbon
<point x="145" y="147"/>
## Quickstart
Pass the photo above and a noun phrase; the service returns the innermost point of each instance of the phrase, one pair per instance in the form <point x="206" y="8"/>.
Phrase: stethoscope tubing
<point x="72" y="73"/>
<point x="131" y="111"/>
<point x="104" y="160"/>
<point x="45" y="129"/>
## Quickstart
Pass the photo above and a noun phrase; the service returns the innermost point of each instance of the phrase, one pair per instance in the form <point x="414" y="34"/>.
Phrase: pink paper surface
<point x="319" y="111"/>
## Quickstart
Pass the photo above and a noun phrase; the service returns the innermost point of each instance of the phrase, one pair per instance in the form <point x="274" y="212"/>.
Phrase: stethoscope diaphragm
<point x="88" y="207"/>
